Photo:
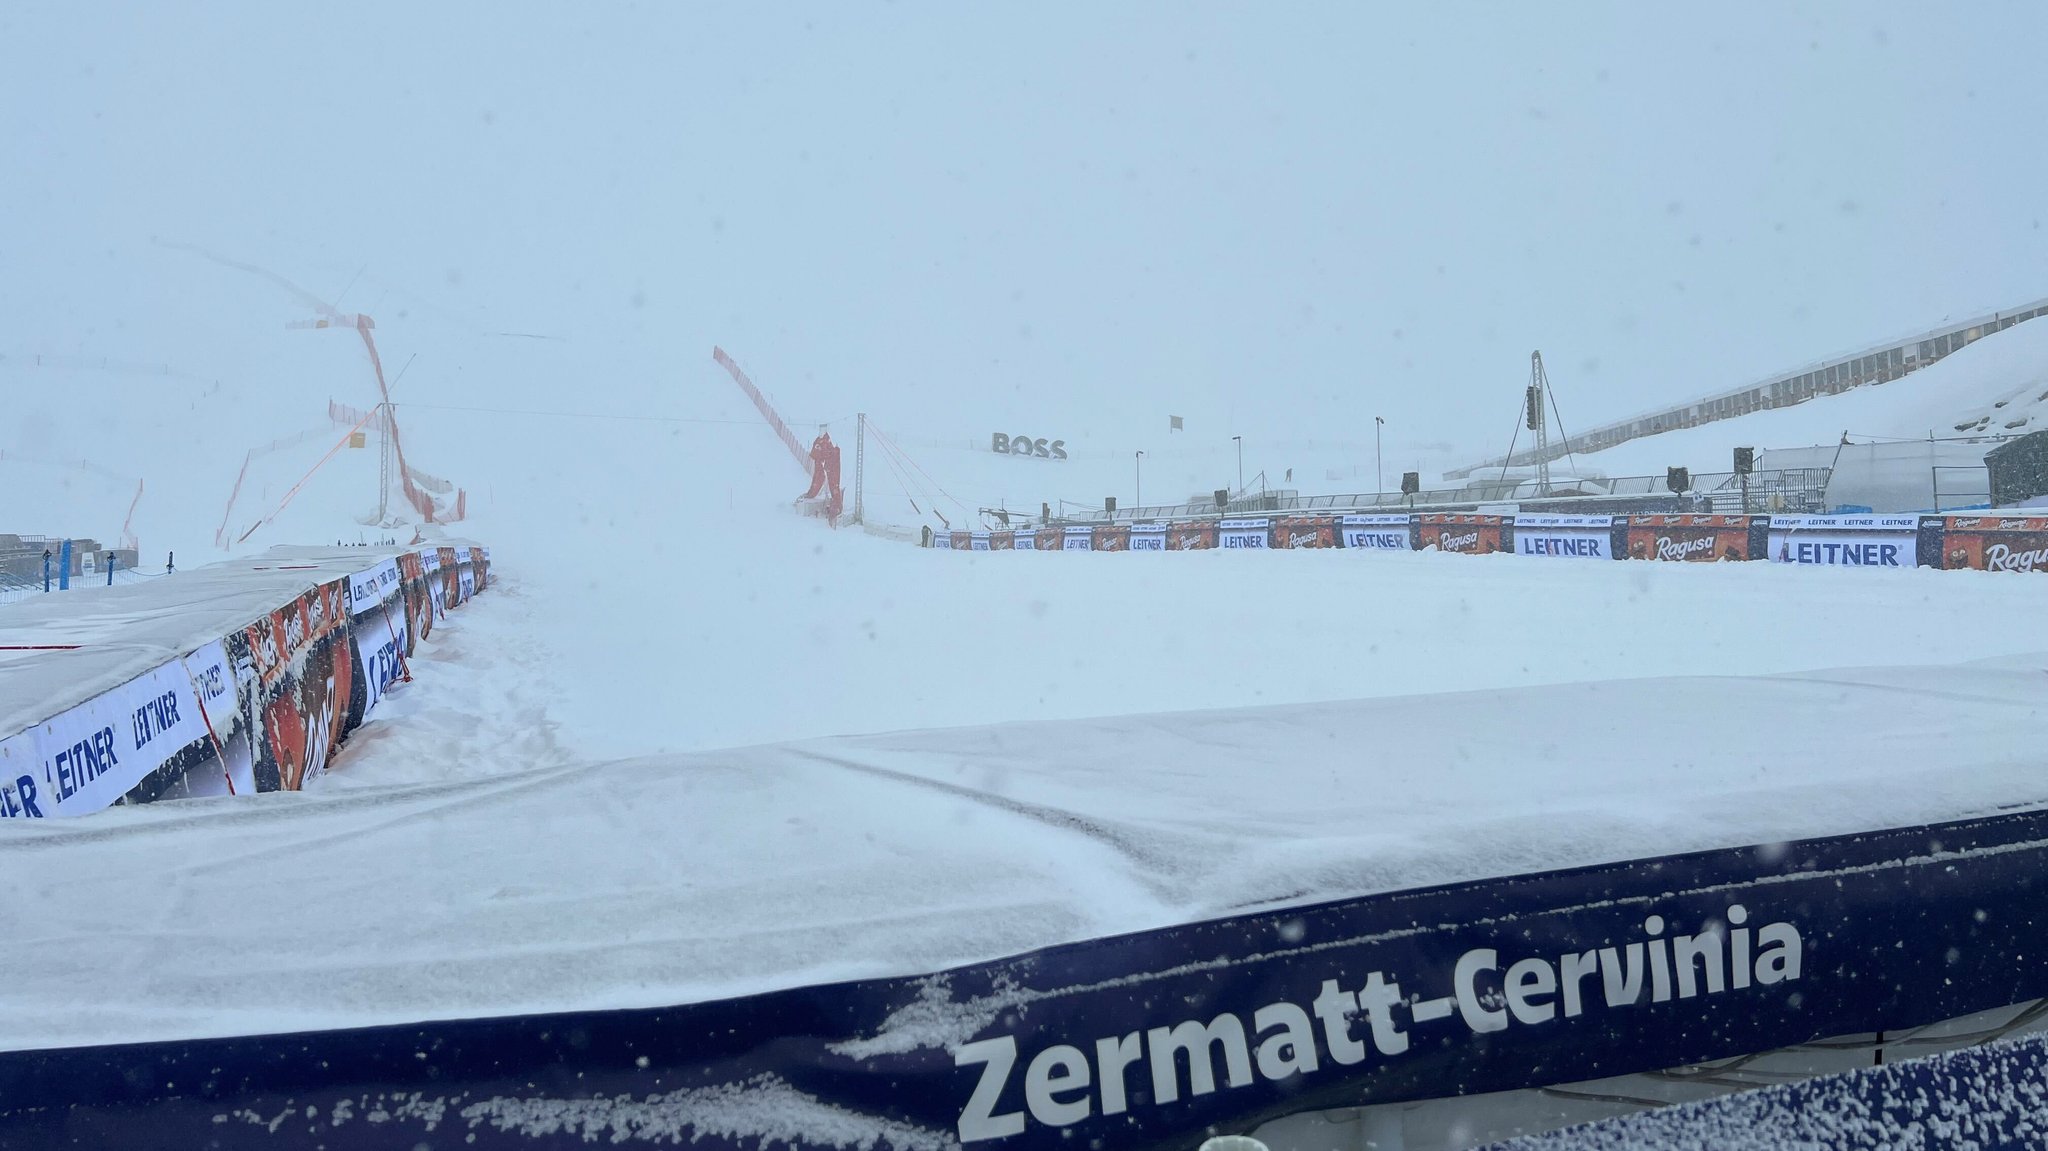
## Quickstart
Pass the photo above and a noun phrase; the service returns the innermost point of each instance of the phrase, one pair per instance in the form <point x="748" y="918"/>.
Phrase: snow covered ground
<point x="540" y="881"/>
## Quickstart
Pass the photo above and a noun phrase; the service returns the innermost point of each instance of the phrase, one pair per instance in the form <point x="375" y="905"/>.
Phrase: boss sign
<point x="1026" y="446"/>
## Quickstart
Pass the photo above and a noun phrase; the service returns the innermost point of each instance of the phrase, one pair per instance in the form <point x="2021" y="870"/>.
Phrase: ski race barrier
<point x="1152" y="1041"/>
<point x="1980" y="541"/>
<point x="234" y="678"/>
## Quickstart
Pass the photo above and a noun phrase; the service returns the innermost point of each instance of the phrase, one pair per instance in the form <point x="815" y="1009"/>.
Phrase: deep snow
<point x="536" y="882"/>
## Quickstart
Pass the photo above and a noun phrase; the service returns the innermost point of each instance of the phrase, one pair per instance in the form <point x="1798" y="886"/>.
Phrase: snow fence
<point x="1983" y="541"/>
<point x="235" y="678"/>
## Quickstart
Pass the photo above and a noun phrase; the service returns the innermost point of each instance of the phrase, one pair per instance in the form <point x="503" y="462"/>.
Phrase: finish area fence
<point x="1788" y="491"/>
<point x="1991" y="542"/>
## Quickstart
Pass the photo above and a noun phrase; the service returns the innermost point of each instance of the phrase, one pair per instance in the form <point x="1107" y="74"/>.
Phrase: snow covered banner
<point x="1694" y="538"/>
<point x="1376" y="532"/>
<point x="296" y="690"/>
<point x="1148" y="537"/>
<point x="1077" y="538"/>
<point x="1244" y="533"/>
<point x="367" y="590"/>
<point x="1112" y="538"/>
<point x="1575" y="537"/>
<point x="1845" y="541"/>
<point x="1306" y="532"/>
<point x="1148" y="1041"/>
<point x="1471" y="534"/>
<point x="380" y="648"/>
<point x="1995" y="543"/>
<point x="85" y="759"/>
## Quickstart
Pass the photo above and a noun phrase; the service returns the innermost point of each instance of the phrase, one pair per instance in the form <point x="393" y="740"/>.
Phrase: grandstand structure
<point x="1831" y="376"/>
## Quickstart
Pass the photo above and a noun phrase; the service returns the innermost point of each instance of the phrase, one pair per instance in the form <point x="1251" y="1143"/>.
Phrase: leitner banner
<point x="1846" y="541"/>
<point x="1243" y="533"/>
<point x="978" y="541"/>
<point x="1992" y="543"/>
<point x="1471" y="534"/>
<point x="1148" y="537"/>
<point x="1196" y="536"/>
<point x="1077" y="538"/>
<point x="85" y="759"/>
<point x="1306" y="532"/>
<point x="1113" y="538"/>
<point x="1691" y="538"/>
<point x="1378" y="532"/>
<point x="1574" y="537"/>
<point x="1146" y="1042"/>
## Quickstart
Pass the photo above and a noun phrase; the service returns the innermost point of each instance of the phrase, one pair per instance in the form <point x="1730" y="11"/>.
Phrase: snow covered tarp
<point x="1208" y="919"/>
<point x="251" y="666"/>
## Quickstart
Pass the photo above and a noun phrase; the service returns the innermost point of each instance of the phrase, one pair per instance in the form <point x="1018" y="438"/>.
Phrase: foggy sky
<point x="1262" y="217"/>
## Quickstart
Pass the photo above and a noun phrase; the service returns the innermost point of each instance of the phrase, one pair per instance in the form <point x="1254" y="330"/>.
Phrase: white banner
<point x="1027" y="540"/>
<point x="1075" y="539"/>
<point x="1148" y="537"/>
<point x="468" y="581"/>
<point x="978" y="542"/>
<point x="1845" y="541"/>
<point x="21" y="797"/>
<point x="430" y="560"/>
<point x="461" y="555"/>
<point x="1379" y="532"/>
<point x="89" y="757"/>
<point x="368" y="589"/>
<point x="1242" y="533"/>
<point x="1577" y="537"/>
<point x="380" y="640"/>
<point x="942" y="540"/>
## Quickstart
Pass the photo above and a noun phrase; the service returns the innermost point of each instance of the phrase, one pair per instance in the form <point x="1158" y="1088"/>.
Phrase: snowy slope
<point x="1996" y="386"/>
<point x="682" y="878"/>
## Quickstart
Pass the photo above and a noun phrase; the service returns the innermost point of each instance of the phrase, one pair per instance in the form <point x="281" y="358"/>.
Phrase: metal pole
<point x="860" y="457"/>
<point x="1240" y="461"/>
<point x="1139" y="501"/>
<point x="1379" y="471"/>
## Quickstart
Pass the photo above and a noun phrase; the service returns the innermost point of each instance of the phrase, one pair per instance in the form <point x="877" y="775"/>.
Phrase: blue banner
<point x="1149" y="1040"/>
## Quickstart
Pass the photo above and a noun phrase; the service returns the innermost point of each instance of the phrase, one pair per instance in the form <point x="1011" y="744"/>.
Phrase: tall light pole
<point x="1379" y="472"/>
<point x="1240" y="461"/>
<point x="1140" y="465"/>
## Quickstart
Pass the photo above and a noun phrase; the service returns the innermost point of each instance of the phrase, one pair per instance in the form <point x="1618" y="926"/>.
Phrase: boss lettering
<point x="1040" y="448"/>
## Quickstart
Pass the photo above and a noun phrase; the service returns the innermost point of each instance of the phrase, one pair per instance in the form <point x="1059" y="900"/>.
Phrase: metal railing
<point x="1789" y="490"/>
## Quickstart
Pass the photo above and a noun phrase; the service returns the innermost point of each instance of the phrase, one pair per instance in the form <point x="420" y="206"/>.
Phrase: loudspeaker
<point x="1745" y="461"/>
<point x="1532" y="407"/>
<point x="1109" y="504"/>
<point x="1411" y="482"/>
<point x="1222" y="497"/>
<point x="1678" y="480"/>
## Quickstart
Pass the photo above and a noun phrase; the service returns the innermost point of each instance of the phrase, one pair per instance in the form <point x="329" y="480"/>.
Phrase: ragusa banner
<point x="1149" y="1040"/>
